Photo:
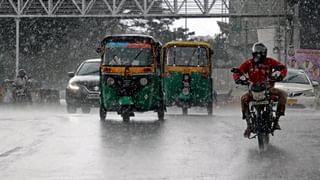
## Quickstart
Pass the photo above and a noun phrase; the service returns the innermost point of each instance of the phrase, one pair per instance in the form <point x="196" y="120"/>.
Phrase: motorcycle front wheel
<point x="263" y="141"/>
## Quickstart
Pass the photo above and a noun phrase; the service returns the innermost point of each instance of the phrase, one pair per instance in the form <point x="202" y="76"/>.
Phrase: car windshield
<point x="296" y="77"/>
<point x="187" y="56"/>
<point x="128" y="54"/>
<point x="89" y="68"/>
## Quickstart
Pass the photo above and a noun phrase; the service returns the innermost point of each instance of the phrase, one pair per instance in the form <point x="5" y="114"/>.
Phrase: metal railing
<point x="137" y="8"/>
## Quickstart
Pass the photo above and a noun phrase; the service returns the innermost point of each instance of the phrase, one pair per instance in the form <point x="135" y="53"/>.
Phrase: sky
<point x="201" y="26"/>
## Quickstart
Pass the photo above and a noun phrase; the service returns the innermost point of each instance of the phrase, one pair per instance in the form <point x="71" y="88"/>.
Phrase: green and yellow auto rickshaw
<point x="187" y="75"/>
<point x="130" y="76"/>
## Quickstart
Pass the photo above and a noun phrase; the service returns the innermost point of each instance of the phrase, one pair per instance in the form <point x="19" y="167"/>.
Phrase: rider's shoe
<point x="247" y="132"/>
<point x="245" y="115"/>
<point x="276" y="126"/>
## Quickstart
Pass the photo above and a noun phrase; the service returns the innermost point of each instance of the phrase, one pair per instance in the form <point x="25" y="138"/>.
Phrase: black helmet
<point x="259" y="52"/>
<point x="21" y="73"/>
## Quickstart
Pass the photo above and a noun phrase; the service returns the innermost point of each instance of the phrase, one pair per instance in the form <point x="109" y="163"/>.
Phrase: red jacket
<point x="259" y="73"/>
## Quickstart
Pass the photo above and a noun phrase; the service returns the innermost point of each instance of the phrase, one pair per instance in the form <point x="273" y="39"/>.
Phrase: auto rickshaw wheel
<point x="126" y="117"/>
<point x="161" y="115"/>
<point x="102" y="113"/>
<point x="210" y="108"/>
<point x="71" y="108"/>
<point x="85" y="109"/>
<point x="161" y="111"/>
<point x="184" y="110"/>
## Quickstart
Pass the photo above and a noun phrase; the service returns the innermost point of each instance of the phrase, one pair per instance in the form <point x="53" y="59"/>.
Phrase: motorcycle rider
<point x="21" y="81"/>
<point x="258" y="69"/>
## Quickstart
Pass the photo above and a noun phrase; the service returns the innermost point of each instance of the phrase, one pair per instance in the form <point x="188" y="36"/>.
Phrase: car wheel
<point x="85" y="109"/>
<point x="71" y="109"/>
<point x="185" y="111"/>
<point x="210" y="108"/>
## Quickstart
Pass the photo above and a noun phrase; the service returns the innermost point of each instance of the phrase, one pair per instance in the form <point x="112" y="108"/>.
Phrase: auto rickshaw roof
<point x="130" y="37"/>
<point x="187" y="43"/>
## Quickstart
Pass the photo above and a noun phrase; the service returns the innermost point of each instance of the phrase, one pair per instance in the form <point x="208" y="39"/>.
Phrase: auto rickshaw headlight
<point x="73" y="85"/>
<point x="110" y="81"/>
<point x="186" y="84"/>
<point x="185" y="91"/>
<point x="143" y="81"/>
<point x="186" y="77"/>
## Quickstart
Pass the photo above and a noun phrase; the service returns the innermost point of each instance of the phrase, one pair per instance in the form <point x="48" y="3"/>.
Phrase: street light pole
<point x="17" y="43"/>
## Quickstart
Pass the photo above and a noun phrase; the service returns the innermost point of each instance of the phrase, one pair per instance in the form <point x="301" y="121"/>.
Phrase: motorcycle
<point x="261" y="109"/>
<point x="21" y="93"/>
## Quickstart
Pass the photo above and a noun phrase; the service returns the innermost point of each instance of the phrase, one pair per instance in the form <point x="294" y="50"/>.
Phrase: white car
<point x="302" y="92"/>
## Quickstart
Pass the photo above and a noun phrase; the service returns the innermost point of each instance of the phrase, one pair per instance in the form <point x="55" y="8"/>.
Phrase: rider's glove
<point x="279" y="78"/>
<point x="237" y="81"/>
<point x="240" y="81"/>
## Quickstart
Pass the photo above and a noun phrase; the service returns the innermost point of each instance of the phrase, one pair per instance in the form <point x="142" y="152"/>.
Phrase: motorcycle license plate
<point x="292" y="101"/>
<point x="260" y="102"/>
<point x="93" y="96"/>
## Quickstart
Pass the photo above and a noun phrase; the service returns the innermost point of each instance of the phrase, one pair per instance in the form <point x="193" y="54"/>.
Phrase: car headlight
<point x="96" y="88"/>
<point x="308" y="93"/>
<point x="143" y="81"/>
<point x="73" y="85"/>
<point x="110" y="81"/>
<point x="185" y="91"/>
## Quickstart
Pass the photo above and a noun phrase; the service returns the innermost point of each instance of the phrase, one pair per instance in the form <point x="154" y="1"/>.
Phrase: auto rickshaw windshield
<point x="187" y="56"/>
<point x="128" y="54"/>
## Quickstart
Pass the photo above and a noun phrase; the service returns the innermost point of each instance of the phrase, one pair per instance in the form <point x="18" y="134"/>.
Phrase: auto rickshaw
<point x="187" y="75"/>
<point x="130" y="76"/>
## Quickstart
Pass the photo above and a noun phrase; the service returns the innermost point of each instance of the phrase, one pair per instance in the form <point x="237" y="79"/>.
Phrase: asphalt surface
<point x="48" y="143"/>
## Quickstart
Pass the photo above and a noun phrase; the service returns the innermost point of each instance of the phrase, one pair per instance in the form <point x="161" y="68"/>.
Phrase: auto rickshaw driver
<point x="115" y="60"/>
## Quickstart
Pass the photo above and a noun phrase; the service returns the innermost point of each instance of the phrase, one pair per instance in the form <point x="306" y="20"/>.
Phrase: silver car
<point x="302" y="92"/>
<point x="83" y="90"/>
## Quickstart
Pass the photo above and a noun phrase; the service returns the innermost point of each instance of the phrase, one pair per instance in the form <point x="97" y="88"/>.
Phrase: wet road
<point x="51" y="144"/>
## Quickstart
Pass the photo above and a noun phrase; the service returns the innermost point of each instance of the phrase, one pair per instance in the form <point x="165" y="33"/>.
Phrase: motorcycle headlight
<point x="258" y="96"/>
<point x="185" y="91"/>
<point x="110" y="81"/>
<point x="143" y="81"/>
<point x="73" y="85"/>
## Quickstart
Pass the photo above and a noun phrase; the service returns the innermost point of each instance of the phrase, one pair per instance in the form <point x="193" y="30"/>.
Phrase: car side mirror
<point x="315" y="83"/>
<point x="100" y="49"/>
<point x="71" y="74"/>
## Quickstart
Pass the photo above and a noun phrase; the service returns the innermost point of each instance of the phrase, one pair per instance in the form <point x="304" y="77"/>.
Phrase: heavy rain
<point x="159" y="89"/>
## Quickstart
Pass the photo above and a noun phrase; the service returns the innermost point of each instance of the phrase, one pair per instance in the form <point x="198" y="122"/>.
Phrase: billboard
<point x="308" y="60"/>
